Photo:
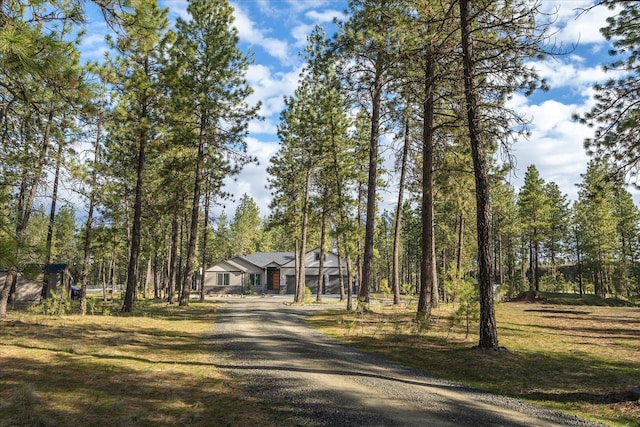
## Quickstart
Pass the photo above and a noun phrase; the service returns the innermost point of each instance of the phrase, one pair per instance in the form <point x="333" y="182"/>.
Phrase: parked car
<point x="74" y="292"/>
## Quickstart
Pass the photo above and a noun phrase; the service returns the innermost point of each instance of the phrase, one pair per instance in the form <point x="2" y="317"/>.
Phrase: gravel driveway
<point x="312" y="380"/>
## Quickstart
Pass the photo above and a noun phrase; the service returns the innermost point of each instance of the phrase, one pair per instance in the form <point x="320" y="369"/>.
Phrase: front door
<point x="273" y="279"/>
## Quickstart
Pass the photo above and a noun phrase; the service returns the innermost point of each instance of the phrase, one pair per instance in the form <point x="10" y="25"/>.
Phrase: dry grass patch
<point x="150" y="368"/>
<point x="582" y="360"/>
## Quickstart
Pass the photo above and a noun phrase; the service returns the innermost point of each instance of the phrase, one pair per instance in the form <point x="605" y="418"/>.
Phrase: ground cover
<point x="152" y="367"/>
<point x="580" y="359"/>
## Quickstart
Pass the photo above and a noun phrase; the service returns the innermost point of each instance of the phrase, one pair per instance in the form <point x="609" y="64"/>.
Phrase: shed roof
<point x="56" y="268"/>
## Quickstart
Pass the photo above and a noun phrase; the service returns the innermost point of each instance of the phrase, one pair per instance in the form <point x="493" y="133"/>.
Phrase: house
<point x="272" y="272"/>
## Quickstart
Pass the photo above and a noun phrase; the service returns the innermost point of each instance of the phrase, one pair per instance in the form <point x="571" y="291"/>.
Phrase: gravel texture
<point x="312" y="380"/>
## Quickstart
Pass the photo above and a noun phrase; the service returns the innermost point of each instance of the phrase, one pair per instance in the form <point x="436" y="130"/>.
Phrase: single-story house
<point x="272" y="272"/>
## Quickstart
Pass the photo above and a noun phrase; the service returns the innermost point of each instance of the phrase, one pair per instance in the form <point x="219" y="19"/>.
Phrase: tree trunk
<point x="397" y="230"/>
<point x="86" y="267"/>
<point x="340" y="272"/>
<point x="52" y="219"/>
<point x="500" y="263"/>
<point x="301" y="280"/>
<point x="195" y="213"/>
<point x="369" y="233"/>
<point x="173" y="254"/>
<point x="296" y="256"/>
<point x="349" y="286"/>
<point x="488" y="330"/>
<point x="459" y="246"/>
<point x="536" y="267"/>
<point x="428" y="279"/>
<point x="530" y="274"/>
<point x="205" y="224"/>
<point x="579" y="269"/>
<point x="136" y="228"/>
<point x="157" y="275"/>
<point x="321" y="261"/>
<point x="343" y="222"/>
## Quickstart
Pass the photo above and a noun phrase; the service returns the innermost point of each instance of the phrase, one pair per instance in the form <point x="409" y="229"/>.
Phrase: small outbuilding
<point x="30" y="289"/>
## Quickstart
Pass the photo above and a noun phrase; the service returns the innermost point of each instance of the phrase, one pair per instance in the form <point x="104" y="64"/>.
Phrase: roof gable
<point x="265" y="259"/>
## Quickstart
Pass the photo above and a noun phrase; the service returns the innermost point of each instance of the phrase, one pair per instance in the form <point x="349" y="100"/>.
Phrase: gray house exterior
<point x="272" y="272"/>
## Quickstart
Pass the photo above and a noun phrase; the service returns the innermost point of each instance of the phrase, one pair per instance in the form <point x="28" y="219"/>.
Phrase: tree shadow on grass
<point x="72" y="391"/>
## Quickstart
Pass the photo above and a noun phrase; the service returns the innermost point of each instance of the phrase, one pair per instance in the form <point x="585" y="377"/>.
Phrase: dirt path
<point x="311" y="380"/>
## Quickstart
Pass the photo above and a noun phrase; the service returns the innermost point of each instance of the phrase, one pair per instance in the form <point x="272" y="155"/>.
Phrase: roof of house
<point x="263" y="259"/>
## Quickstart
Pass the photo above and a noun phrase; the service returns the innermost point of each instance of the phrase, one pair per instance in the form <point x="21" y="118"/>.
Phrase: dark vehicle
<point x="74" y="292"/>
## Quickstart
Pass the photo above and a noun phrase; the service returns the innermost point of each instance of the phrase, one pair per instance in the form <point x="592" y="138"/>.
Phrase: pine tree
<point x="366" y="45"/>
<point x="596" y="208"/>
<point x="628" y="232"/>
<point x="534" y="209"/>
<point x="557" y="230"/>
<point x="614" y="114"/>
<point x="497" y="40"/>
<point x="508" y="230"/>
<point x="245" y="227"/>
<point x="41" y="84"/>
<point x="136" y="70"/>
<point x="210" y="89"/>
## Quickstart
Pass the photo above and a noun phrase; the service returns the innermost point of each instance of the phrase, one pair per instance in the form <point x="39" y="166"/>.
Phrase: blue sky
<point x="275" y="31"/>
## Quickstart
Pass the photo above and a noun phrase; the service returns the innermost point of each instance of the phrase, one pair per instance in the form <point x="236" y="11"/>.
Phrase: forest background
<point x="144" y="141"/>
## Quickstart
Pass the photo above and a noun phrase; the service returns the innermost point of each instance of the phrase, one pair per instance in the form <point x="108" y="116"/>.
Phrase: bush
<point x="517" y="286"/>
<point x="408" y="289"/>
<point x="468" y="306"/>
<point x="58" y="303"/>
<point x="384" y="287"/>
<point x="308" y="295"/>
<point x="96" y="307"/>
<point x="554" y="283"/>
<point x="362" y="306"/>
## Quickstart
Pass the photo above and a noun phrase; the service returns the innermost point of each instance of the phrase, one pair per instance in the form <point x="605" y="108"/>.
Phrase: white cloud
<point x="555" y="145"/>
<point x="177" y="8"/>
<point x="298" y="6"/>
<point x="92" y="40"/>
<point x="93" y="47"/>
<point x="248" y="32"/>
<point x="302" y="30"/>
<point x="270" y="88"/>
<point x="574" y="22"/>
<point x="252" y="179"/>
<point x="324" y="16"/>
<point x="561" y="73"/>
<point x="300" y="33"/>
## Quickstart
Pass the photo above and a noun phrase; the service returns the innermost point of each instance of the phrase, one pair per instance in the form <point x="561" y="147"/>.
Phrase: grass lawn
<point x="579" y="359"/>
<point x="149" y="368"/>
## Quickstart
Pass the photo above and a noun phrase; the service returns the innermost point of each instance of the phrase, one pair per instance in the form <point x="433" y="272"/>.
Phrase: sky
<point x="273" y="32"/>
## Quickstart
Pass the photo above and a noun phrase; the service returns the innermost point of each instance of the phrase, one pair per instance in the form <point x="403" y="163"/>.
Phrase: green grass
<point x="583" y="360"/>
<point x="587" y="299"/>
<point x="153" y="367"/>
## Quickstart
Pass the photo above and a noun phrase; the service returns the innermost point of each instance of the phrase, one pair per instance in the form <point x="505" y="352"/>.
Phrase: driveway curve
<point x="313" y="380"/>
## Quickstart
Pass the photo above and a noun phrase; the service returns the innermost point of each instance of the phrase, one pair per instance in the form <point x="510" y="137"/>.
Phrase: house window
<point x="317" y="255"/>
<point x="255" y="279"/>
<point x="223" y="279"/>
